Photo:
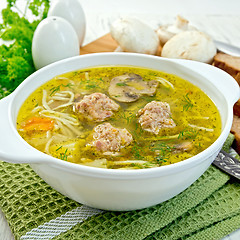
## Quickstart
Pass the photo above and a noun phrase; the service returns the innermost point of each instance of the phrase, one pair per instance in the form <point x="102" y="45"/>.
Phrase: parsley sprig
<point x="16" y="57"/>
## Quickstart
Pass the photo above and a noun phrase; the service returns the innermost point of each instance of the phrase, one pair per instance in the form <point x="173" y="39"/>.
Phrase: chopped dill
<point x="63" y="156"/>
<point x="160" y="159"/>
<point x="58" y="148"/>
<point x="188" y="133"/>
<point x="137" y="151"/>
<point x="58" y="88"/>
<point x="127" y="117"/>
<point x="137" y="131"/>
<point x="100" y="79"/>
<point x="121" y="84"/>
<point x="162" y="147"/>
<point x="163" y="150"/>
<point x="135" y="165"/>
<point x="90" y="86"/>
<point x="188" y="104"/>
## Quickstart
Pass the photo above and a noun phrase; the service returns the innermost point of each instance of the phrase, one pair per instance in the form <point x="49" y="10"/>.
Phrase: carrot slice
<point x="38" y="124"/>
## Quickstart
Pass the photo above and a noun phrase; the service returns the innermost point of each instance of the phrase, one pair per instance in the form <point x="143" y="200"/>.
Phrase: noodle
<point x="201" y="128"/>
<point x="44" y="100"/>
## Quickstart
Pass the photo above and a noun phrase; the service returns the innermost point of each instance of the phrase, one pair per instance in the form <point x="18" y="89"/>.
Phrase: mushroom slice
<point x="183" y="147"/>
<point x="130" y="87"/>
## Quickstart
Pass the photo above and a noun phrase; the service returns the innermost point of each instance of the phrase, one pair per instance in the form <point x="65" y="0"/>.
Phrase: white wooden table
<point x="219" y="18"/>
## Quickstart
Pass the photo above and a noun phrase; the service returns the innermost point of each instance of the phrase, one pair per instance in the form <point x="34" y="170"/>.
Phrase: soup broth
<point x="119" y="117"/>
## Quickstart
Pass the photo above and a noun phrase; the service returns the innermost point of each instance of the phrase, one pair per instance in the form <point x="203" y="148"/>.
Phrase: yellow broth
<point x="196" y="116"/>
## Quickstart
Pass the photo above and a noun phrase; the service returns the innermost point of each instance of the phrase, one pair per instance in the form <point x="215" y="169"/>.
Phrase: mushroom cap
<point x="191" y="45"/>
<point x="134" y="36"/>
<point x="130" y="87"/>
<point x="165" y="32"/>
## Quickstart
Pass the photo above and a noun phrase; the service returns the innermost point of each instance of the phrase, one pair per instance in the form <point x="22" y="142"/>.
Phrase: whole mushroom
<point x="192" y="45"/>
<point x="132" y="35"/>
<point x="165" y="32"/>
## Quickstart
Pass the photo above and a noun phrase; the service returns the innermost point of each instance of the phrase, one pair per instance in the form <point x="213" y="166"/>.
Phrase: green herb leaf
<point x="36" y="6"/>
<point x="58" y="88"/>
<point x="137" y="152"/>
<point x="188" y="104"/>
<point x="90" y="86"/>
<point x="63" y="156"/>
<point x="58" y="148"/>
<point x="163" y="151"/>
<point x="16" y="58"/>
<point x="127" y="116"/>
<point x="122" y="84"/>
<point x="188" y="133"/>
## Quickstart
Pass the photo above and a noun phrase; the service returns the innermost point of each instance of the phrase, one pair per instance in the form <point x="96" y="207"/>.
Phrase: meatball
<point x="155" y="116"/>
<point x="110" y="139"/>
<point x="96" y="107"/>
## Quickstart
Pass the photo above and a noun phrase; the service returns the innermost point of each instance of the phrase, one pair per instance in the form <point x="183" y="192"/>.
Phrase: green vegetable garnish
<point x="58" y="148"/>
<point x="121" y="84"/>
<point x="163" y="150"/>
<point x="58" y="88"/>
<point x="90" y="86"/>
<point x="16" y="57"/>
<point x="188" y="104"/>
<point x="188" y="133"/>
<point x="127" y="116"/>
<point x="63" y="156"/>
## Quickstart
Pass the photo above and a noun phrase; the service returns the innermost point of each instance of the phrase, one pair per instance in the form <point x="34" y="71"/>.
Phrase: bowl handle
<point x="12" y="148"/>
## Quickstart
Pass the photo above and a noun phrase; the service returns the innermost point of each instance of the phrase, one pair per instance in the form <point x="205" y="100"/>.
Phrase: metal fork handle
<point x="228" y="164"/>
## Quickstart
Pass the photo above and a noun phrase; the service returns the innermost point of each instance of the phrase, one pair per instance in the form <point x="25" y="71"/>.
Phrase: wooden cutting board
<point x="103" y="44"/>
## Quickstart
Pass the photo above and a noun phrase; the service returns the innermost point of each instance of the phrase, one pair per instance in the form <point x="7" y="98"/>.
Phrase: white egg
<point x="70" y="10"/>
<point x="54" y="39"/>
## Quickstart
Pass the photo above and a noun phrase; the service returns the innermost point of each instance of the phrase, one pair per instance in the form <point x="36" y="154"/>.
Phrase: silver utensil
<point x="227" y="48"/>
<point x="228" y="164"/>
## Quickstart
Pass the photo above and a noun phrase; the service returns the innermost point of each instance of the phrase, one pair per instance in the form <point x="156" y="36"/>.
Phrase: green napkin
<point x="36" y="211"/>
<point x="221" y="205"/>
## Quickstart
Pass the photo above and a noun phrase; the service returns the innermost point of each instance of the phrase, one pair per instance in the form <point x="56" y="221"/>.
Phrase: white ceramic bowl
<point x="113" y="189"/>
